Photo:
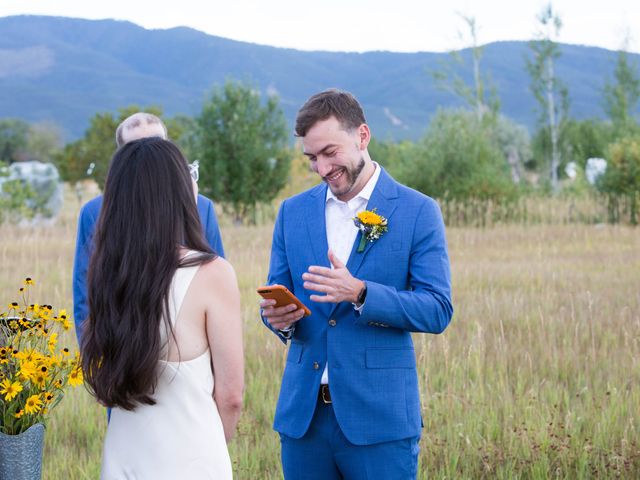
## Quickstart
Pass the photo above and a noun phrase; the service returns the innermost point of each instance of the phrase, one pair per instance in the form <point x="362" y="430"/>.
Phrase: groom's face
<point x="336" y="155"/>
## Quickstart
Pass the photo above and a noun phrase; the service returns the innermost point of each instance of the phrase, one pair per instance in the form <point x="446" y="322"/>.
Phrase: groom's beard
<point x="351" y="175"/>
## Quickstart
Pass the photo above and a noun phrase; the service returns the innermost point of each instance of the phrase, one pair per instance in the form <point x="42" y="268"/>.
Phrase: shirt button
<point x="332" y="322"/>
<point x="316" y="365"/>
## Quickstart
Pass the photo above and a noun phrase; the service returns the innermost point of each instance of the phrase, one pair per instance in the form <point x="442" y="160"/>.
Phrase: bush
<point x="621" y="180"/>
<point x="460" y="160"/>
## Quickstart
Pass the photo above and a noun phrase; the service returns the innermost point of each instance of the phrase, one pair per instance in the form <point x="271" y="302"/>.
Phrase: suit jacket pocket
<point x="390" y="358"/>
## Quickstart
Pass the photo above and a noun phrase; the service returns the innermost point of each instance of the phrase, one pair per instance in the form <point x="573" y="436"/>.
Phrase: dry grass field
<point x="538" y="375"/>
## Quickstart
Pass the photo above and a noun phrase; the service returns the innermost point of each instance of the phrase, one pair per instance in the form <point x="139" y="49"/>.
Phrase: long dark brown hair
<point x="148" y="212"/>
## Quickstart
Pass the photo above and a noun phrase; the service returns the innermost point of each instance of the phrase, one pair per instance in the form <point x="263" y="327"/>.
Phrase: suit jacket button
<point x="316" y="365"/>
<point x="332" y="323"/>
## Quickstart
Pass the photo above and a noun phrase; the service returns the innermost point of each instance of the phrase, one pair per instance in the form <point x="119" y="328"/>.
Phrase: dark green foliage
<point x="459" y="160"/>
<point x="242" y="148"/>
<point x="579" y="140"/>
<point x="93" y="152"/>
<point x="621" y="181"/>
<point x="14" y="135"/>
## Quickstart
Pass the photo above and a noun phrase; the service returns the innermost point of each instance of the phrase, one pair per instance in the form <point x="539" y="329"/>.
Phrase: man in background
<point x="139" y="125"/>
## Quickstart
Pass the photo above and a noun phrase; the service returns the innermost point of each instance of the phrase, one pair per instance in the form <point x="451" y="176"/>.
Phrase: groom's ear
<point x="365" y="136"/>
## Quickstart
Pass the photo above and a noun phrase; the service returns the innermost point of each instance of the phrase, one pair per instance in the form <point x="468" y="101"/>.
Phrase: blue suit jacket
<point x="372" y="364"/>
<point x="86" y="226"/>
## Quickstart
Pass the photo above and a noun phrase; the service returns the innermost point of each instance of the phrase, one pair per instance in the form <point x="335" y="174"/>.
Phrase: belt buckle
<point x="325" y="393"/>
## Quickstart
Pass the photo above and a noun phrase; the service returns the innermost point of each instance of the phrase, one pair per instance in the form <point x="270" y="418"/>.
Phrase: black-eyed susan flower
<point x="39" y="379"/>
<point x="34" y="370"/>
<point x="27" y="370"/>
<point x="33" y="404"/>
<point x="10" y="389"/>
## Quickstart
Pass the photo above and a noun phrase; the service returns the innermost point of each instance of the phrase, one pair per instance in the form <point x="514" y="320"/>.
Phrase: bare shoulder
<point x="219" y="273"/>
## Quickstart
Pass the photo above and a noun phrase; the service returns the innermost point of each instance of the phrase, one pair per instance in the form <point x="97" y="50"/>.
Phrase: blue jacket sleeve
<point x="426" y="306"/>
<point x="86" y="225"/>
<point x="279" y="272"/>
<point x="210" y="224"/>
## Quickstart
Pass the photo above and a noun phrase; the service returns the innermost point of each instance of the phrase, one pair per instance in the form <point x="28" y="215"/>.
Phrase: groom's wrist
<point x="361" y="297"/>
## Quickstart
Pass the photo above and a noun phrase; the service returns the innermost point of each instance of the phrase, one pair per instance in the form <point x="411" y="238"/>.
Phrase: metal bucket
<point x="21" y="455"/>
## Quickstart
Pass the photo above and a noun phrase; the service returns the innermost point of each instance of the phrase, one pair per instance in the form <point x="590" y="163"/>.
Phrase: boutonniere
<point x="372" y="226"/>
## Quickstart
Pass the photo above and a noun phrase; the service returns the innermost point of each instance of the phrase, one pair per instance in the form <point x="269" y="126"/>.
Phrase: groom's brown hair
<point x="330" y="103"/>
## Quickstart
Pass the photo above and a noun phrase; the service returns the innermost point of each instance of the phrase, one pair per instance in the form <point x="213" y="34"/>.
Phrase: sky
<point x="362" y="25"/>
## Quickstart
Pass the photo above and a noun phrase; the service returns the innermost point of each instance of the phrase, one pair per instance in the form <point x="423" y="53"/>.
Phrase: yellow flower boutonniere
<point x="372" y="226"/>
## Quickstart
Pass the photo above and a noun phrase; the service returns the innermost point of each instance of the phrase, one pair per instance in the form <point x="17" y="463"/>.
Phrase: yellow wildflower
<point x="19" y="414"/>
<point x="27" y="369"/>
<point x="75" y="377"/>
<point x="33" y="405"/>
<point x="53" y="340"/>
<point x="66" y="324"/>
<point x="370" y="218"/>
<point x="29" y="355"/>
<point x="40" y="376"/>
<point x="10" y="389"/>
<point x="28" y="281"/>
<point x="65" y="352"/>
<point x="48" y="397"/>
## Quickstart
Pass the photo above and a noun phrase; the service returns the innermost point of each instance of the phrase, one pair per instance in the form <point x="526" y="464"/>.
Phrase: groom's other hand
<point x="337" y="283"/>
<point x="280" y="318"/>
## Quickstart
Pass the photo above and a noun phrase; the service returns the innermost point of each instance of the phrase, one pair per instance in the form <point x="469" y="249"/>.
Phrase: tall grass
<point x="538" y="375"/>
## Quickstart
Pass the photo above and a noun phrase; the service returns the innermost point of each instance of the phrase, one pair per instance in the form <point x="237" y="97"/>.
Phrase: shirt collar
<point x="366" y="191"/>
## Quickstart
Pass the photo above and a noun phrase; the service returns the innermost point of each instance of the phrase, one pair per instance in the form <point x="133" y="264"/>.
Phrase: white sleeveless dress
<point x="181" y="436"/>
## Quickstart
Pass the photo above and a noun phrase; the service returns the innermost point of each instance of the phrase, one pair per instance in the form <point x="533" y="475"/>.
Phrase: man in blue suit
<point x="139" y="125"/>
<point x="349" y="404"/>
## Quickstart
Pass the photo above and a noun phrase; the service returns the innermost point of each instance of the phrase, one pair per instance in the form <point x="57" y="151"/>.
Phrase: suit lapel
<point x="317" y="227"/>
<point x="383" y="199"/>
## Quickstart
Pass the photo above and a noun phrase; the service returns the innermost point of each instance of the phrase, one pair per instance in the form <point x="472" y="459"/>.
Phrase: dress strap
<point x="181" y="281"/>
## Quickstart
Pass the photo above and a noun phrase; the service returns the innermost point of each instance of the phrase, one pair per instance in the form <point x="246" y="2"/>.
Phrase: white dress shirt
<point x="341" y="231"/>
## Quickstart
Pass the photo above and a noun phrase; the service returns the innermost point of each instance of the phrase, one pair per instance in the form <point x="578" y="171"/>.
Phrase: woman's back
<point x="182" y="435"/>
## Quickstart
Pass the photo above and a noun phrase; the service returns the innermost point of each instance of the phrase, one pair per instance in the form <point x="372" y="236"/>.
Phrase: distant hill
<point x="65" y="70"/>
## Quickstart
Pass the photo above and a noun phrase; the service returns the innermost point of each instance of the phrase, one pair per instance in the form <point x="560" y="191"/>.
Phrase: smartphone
<point x="282" y="296"/>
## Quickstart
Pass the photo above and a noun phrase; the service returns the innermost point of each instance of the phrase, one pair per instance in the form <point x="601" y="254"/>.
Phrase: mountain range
<point x="65" y="70"/>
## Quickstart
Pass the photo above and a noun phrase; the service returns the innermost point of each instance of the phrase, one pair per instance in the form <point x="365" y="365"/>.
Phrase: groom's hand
<point x="337" y="283"/>
<point x="280" y="318"/>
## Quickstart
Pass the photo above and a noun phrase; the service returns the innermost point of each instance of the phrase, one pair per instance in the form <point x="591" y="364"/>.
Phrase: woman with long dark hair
<point x="164" y="317"/>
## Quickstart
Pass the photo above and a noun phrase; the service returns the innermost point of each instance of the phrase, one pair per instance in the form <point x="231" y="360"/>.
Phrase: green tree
<point x="13" y="139"/>
<point x="459" y="160"/>
<point x="622" y="95"/>
<point x="551" y="94"/>
<point x="474" y="95"/>
<point x="242" y="147"/>
<point x="93" y="152"/>
<point x="44" y="141"/>
<point x="621" y="180"/>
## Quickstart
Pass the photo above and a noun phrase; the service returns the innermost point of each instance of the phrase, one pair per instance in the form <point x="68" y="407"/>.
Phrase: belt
<point x="324" y="395"/>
